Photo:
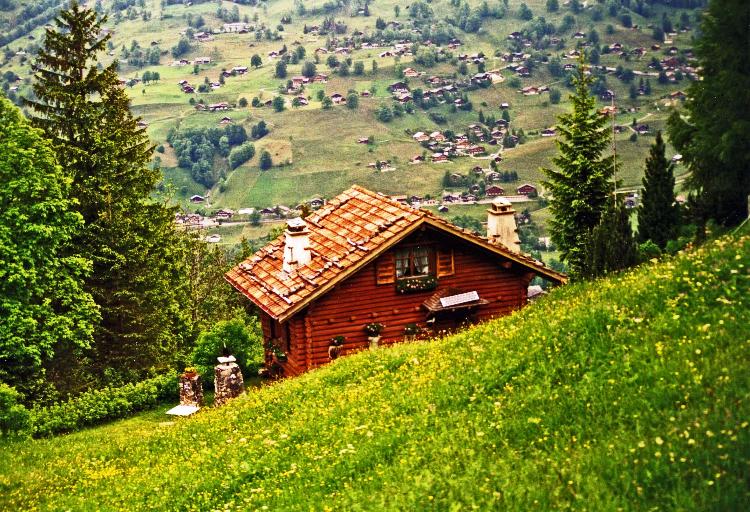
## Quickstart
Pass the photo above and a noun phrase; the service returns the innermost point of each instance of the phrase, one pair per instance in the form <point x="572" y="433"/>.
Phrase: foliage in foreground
<point x="43" y="306"/>
<point x="243" y="339"/>
<point x="626" y="393"/>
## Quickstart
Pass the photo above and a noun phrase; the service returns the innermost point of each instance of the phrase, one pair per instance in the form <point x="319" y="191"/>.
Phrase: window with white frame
<point x="412" y="262"/>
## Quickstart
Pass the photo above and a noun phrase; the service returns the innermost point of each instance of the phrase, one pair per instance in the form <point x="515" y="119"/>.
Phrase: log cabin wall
<point x="291" y="338"/>
<point x="359" y="300"/>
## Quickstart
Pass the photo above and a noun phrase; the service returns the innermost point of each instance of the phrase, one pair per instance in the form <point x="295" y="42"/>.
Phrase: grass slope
<point x="627" y="393"/>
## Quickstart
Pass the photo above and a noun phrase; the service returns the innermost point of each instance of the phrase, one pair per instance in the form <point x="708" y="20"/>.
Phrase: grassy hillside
<point x="630" y="393"/>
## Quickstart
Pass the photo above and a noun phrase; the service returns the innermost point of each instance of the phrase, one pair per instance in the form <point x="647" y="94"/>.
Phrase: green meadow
<point x="627" y="393"/>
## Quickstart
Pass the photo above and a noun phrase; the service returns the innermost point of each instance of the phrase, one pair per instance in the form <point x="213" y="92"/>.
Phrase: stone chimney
<point x="296" y="245"/>
<point x="501" y="224"/>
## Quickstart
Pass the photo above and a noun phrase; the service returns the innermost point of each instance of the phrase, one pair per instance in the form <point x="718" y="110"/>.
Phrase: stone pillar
<point x="191" y="389"/>
<point x="228" y="381"/>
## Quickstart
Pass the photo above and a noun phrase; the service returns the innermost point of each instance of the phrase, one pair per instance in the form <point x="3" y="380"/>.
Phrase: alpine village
<point x="372" y="255"/>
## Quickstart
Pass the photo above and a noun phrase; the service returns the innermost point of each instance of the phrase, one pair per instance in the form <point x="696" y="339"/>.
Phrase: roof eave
<point x="240" y="289"/>
<point x="547" y="272"/>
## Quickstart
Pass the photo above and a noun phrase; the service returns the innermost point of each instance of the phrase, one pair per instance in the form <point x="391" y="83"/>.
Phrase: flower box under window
<point x="416" y="284"/>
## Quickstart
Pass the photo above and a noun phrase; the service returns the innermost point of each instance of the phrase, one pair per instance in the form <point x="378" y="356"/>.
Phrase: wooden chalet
<point x="494" y="191"/>
<point x="526" y="189"/>
<point x="365" y="258"/>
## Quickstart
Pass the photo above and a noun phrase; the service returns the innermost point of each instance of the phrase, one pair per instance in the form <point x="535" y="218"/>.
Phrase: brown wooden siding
<point x="360" y="299"/>
<point x="297" y="354"/>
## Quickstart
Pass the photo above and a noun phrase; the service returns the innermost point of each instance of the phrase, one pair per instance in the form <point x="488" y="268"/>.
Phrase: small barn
<point x="365" y="259"/>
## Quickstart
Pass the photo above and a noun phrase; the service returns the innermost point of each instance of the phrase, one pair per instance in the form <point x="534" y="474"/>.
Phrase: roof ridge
<point x="385" y="197"/>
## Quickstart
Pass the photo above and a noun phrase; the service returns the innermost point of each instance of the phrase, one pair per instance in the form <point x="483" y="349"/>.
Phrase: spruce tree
<point x="581" y="184"/>
<point x="611" y="245"/>
<point x="137" y="275"/>
<point x="711" y="131"/>
<point x="658" y="214"/>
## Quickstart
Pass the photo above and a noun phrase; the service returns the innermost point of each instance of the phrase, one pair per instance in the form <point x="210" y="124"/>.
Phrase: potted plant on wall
<point x="373" y="330"/>
<point x="334" y="349"/>
<point x="278" y="354"/>
<point x="411" y="331"/>
<point x="416" y="284"/>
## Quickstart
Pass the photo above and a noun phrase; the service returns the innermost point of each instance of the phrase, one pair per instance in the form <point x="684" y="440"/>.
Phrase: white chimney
<point x="501" y="224"/>
<point x="296" y="244"/>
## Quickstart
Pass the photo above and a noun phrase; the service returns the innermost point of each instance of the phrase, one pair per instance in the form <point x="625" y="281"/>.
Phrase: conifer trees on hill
<point x="712" y="132"/>
<point x="137" y="278"/>
<point x="658" y="214"/>
<point x="580" y="185"/>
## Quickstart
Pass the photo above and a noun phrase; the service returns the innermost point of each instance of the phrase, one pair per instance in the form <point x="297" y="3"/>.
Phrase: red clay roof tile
<point x="349" y="232"/>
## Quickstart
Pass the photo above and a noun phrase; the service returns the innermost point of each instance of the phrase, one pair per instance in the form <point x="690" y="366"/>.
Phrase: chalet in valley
<point x="526" y="190"/>
<point x="365" y="259"/>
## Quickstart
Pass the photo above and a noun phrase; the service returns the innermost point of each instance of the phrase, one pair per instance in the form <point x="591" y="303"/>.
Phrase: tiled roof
<point x="350" y="231"/>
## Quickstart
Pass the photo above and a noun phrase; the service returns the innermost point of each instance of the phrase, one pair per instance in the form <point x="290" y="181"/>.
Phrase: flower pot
<point x="374" y="341"/>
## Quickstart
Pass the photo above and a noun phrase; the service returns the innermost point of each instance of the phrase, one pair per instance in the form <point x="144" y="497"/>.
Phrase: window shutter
<point x="385" y="271"/>
<point x="445" y="263"/>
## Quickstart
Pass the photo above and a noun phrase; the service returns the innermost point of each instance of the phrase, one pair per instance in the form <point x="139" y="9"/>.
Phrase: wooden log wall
<point x="346" y="309"/>
<point x="297" y="353"/>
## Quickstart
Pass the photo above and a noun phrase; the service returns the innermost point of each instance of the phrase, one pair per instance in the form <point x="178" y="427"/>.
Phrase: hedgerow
<point x="101" y="405"/>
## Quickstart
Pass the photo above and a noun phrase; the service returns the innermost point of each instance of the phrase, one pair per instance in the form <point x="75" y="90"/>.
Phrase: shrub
<point x="648" y="250"/>
<point x="554" y="95"/>
<point x="243" y="340"/>
<point x="14" y="417"/>
<point x="100" y="405"/>
<point x="265" y="162"/>
<point x="438" y="117"/>
<point x="241" y="154"/>
<point x="384" y="114"/>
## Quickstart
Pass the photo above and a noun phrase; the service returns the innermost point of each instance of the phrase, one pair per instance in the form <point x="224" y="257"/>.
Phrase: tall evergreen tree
<point x="581" y="184"/>
<point x="611" y="245"/>
<point x="658" y="214"/>
<point x="44" y="309"/>
<point x="137" y="275"/>
<point x="713" y="130"/>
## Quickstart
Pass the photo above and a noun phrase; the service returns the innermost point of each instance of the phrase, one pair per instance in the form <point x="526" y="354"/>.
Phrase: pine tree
<point x="658" y="214"/>
<point x="137" y="275"/>
<point x="582" y="182"/>
<point x="711" y="132"/>
<point x="610" y="246"/>
<point x="44" y="310"/>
